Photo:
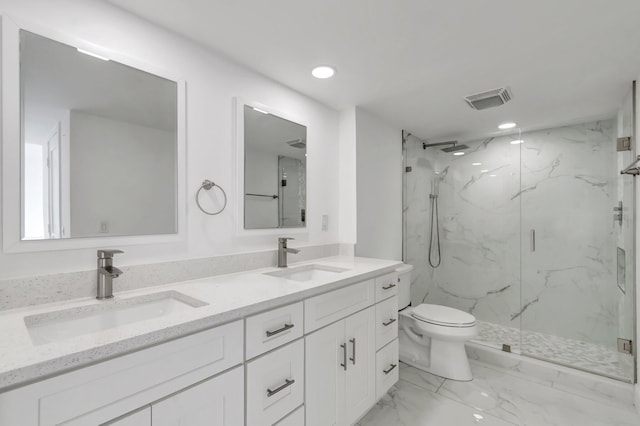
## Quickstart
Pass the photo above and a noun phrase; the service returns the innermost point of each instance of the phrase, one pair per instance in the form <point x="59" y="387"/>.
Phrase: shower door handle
<point x="532" y="240"/>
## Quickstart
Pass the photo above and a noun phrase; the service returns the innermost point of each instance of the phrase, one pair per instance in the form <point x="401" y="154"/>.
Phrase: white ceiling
<point x="412" y="61"/>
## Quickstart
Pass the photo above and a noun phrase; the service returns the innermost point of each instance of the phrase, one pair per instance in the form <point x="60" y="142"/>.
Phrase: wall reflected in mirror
<point x="275" y="171"/>
<point x="99" y="145"/>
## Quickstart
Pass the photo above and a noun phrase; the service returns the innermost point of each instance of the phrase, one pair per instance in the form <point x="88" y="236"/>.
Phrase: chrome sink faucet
<point x="283" y="250"/>
<point x="106" y="273"/>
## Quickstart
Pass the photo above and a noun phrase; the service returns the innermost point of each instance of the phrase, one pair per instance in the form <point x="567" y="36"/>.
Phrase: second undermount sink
<point x="63" y="324"/>
<point x="307" y="272"/>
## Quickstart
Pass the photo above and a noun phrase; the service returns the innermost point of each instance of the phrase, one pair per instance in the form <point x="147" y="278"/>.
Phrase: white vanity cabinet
<point x="275" y="379"/>
<point x="340" y="358"/>
<point x="275" y="384"/>
<point x="138" y="418"/>
<point x="106" y="391"/>
<point x="218" y="401"/>
<point x="324" y="360"/>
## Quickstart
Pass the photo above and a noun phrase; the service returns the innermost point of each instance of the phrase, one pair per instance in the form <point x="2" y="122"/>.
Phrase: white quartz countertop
<point x="227" y="297"/>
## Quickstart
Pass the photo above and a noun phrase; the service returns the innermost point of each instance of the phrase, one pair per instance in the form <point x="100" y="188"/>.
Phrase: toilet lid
<point x="443" y="315"/>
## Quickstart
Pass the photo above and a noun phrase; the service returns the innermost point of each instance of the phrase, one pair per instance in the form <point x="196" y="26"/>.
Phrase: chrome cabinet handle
<point x="286" y="384"/>
<point x="388" y="323"/>
<point x="344" y="356"/>
<point x="354" y="351"/>
<point x="387" y="287"/>
<point x="390" y="369"/>
<point x="280" y="330"/>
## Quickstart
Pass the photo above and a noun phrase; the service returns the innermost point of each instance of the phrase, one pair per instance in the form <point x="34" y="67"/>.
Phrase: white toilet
<point x="432" y="336"/>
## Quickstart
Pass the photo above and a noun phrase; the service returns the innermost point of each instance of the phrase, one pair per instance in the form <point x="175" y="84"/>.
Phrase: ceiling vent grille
<point x="490" y="99"/>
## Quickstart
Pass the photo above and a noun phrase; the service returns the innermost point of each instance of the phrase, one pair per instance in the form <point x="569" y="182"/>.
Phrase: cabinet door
<point x="360" y="331"/>
<point x="215" y="402"/>
<point x="138" y="418"/>
<point x="325" y="377"/>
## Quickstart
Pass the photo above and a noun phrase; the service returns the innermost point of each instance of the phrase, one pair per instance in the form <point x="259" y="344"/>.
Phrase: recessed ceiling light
<point x="323" y="71"/>
<point x="458" y="153"/>
<point x="476" y="164"/>
<point x="505" y="126"/>
<point x="492" y="175"/>
<point x="517" y="142"/>
<point x="484" y="171"/>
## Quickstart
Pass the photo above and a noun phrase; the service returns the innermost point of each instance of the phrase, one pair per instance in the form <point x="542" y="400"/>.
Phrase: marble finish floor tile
<point x="409" y="405"/>
<point x="420" y="378"/>
<point x="494" y="397"/>
<point x="523" y="402"/>
<point x="573" y="353"/>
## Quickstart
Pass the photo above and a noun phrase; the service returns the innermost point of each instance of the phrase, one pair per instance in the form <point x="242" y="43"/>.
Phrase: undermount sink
<point x="63" y="324"/>
<point x="307" y="272"/>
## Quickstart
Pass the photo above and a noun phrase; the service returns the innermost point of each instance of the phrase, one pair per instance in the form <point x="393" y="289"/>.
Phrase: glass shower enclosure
<point x="534" y="237"/>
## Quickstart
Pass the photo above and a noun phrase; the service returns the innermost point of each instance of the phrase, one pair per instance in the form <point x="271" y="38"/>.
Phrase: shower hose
<point x="434" y="230"/>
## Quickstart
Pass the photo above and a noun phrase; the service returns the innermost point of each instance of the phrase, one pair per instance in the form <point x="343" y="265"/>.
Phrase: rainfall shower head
<point x="453" y="148"/>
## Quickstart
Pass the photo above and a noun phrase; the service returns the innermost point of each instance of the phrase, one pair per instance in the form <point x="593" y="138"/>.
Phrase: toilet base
<point x="445" y="359"/>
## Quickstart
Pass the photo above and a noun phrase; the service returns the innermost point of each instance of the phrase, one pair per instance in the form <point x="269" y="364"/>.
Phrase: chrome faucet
<point x="106" y="273"/>
<point x="283" y="250"/>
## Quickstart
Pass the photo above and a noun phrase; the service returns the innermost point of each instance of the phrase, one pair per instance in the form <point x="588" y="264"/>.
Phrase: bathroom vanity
<point x="312" y="344"/>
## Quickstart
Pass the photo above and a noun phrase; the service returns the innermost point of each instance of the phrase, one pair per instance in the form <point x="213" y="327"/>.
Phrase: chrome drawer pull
<point x="286" y="384"/>
<point x="280" y="330"/>
<point x="344" y="356"/>
<point x="390" y="369"/>
<point x="391" y="321"/>
<point x="354" y="351"/>
<point x="387" y="287"/>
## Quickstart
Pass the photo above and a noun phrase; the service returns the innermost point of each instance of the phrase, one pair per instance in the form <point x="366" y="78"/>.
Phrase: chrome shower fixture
<point x="453" y="148"/>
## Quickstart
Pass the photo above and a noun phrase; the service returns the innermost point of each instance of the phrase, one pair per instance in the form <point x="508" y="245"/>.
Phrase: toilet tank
<point x="404" y="285"/>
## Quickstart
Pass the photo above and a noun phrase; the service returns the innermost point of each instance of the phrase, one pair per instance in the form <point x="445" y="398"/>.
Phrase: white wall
<point x="347" y="172"/>
<point x="212" y="82"/>
<point x="379" y="188"/>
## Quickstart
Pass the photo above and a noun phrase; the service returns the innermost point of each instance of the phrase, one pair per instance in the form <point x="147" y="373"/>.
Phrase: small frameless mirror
<point x="275" y="171"/>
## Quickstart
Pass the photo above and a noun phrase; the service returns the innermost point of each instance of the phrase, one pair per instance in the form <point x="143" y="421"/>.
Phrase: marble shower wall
<point x="560" y="182"/>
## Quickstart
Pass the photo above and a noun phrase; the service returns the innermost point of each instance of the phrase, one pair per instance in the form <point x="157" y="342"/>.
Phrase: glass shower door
<point x="574" y="307"/>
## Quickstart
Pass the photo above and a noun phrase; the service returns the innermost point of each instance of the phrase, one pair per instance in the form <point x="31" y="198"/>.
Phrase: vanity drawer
<point x="274" y="328"/>
<point x="387" y="366"/>
<point x="335" y="305"/>
<point x="386" y="321"/>
<point x="275" y="384"/>
<point x="101" y="392"/>
<point x="294" y="419"/>
<point x="386" y="286"/>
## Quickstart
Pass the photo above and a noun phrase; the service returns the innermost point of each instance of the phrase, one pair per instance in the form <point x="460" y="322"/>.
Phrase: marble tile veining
<point x="494" y="397"/>
<point x="409" y="405"/>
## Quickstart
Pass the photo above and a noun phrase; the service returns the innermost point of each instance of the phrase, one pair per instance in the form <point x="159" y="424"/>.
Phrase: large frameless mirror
<point x="275" y="170"/>
<point x="99" y="145"/>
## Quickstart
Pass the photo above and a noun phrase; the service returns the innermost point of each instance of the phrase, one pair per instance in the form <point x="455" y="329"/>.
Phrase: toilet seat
<point x="443" y="316"/>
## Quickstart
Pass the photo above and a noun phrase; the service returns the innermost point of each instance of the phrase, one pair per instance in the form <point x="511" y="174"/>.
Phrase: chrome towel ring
<point x="207" y="185"/>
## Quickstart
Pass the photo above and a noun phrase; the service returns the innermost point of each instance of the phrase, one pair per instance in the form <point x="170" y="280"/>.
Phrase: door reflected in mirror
<point x="99" y="145"/>
<point x="275" y="171"/>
